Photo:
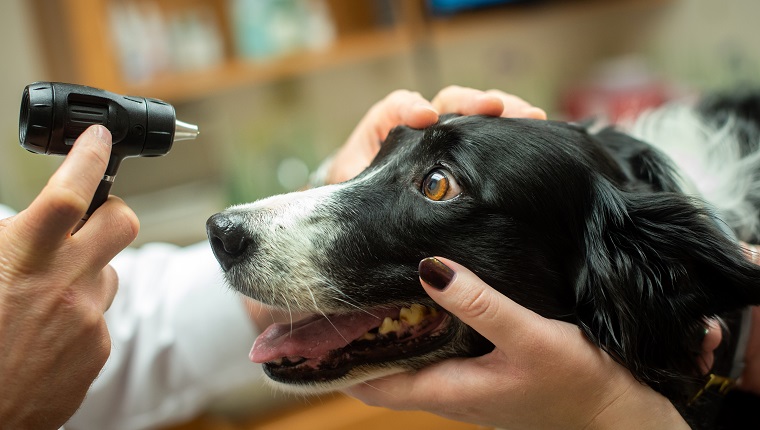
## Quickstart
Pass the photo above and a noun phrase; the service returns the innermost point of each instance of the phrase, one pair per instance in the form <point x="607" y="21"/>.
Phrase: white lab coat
<point x="180" y="337"/>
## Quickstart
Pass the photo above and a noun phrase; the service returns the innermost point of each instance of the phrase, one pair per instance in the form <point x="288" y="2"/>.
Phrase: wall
<point x="247" y="133"/>
<point x="21" y="66"/>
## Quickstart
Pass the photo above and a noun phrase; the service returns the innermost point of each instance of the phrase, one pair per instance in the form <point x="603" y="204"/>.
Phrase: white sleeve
<point x="6" y="212"/>
<point x="180" y="337"/>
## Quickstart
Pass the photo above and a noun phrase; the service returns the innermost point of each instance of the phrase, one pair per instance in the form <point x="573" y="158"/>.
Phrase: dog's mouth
<point x="323" y="348"/>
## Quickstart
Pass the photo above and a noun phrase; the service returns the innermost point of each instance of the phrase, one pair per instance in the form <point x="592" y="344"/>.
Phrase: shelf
<point x="77" y="45"/>
<point x="181" y="87"/>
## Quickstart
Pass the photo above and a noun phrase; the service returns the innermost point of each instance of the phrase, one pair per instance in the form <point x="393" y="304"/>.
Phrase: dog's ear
<point x="655" y="264"/>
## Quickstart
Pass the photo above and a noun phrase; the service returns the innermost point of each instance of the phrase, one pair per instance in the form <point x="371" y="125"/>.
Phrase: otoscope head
<point x="54" y="114"/>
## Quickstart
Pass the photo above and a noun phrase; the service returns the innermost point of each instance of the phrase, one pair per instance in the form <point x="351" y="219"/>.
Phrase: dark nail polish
<point x="435" y="273"/>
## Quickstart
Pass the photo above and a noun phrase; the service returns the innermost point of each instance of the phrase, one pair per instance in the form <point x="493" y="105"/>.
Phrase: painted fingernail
<point x="435" y="273"/>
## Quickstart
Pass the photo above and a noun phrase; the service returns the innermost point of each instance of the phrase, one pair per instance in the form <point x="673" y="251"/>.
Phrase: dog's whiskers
<point x="375" y="387"/>
<point x="356" y="306"/>
<point x="290" y="314"/>
<point x="325" y="315"/>
<point x="348" y="301"/>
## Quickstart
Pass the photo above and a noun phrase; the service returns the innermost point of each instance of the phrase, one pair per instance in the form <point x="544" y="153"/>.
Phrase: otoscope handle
<point x="100" y="197"/>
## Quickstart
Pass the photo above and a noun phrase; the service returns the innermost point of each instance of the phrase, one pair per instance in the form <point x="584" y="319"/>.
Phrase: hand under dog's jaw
<point x="328" y="350"/>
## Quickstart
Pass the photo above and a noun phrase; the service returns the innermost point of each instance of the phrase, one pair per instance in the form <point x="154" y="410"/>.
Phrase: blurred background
<point x="277" y="85"/>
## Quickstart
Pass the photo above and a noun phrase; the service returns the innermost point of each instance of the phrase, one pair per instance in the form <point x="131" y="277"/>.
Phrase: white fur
<point x="287" y="230"/>
<point x="286" y="236"/>
<point x="708" y="161"/>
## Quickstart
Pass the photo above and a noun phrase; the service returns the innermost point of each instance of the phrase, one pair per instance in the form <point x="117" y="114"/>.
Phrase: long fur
<point x="622" y="233"/>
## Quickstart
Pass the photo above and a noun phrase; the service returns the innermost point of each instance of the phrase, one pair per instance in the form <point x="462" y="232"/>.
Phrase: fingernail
<point x="99" y="132"/>
<point x="427" y="108"/>
<point x="534" y="112"/>
<point x="435" y="273"/>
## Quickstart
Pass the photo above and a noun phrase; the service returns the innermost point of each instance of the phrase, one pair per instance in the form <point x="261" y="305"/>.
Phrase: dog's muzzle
<point x="228" y="237"/>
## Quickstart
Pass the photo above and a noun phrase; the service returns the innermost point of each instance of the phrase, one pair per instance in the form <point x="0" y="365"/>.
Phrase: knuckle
<point x="453" y="88"/>
<point x="105" y="344"/>
<point x="125" y="221"/>
<point x="65" y="202"/>
<point x="91" y="319"/>
<point x="498" y="92"/>
<point x="447" y="91"/>
<point x="101" y="346"/>
<point x="398" y="95"/>
<point x="402" y="96"/>
<point x="111" y="285"/>
<point x="478" y="305"/>
<point x="118" y="221"/>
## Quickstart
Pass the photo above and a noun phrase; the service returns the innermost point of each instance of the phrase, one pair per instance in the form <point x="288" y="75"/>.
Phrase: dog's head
<point x="586" y="228"/>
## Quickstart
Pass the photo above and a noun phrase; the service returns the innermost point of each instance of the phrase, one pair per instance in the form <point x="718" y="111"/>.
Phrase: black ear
<point x="656" y="264"/>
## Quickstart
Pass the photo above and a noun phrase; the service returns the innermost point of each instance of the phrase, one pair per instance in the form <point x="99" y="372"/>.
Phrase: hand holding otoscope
<point x="54" y="114"/>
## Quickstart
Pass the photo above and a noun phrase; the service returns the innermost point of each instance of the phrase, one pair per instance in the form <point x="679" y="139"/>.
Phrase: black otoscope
<point x="54" y="114"/>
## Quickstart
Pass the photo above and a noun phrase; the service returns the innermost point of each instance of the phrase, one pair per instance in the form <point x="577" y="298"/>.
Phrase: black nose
<point x="228" y="237"/>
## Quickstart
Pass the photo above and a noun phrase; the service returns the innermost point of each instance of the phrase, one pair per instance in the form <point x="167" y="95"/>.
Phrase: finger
<point x="109" y="230"/>
<point x="426" y="389"/>
<point x="109" y="283"/>
<point x="489" y="312"/>
<point x="68" y="193"/>
<point x="467" y="101"/>
<point x="516" y="107"/>
<point x="413" y="110"/>
<point x="403" y="107"/>
<point x="711" y="341"/>
<point x="389" y="392"/>
<point x="751" y="252"/>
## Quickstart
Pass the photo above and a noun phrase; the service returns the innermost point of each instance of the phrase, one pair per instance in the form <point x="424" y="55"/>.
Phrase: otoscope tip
<point x="185" y="131"/>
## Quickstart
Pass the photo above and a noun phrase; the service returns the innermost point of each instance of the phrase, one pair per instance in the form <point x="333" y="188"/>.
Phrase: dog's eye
<point x="439" y="185"/>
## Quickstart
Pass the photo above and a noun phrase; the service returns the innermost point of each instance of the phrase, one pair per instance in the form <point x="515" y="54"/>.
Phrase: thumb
<point x="475" y="303"/>
<point x="68" y="193"/>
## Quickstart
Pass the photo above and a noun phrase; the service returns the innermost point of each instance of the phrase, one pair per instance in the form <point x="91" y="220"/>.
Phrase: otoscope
<point x="54" y="114"/>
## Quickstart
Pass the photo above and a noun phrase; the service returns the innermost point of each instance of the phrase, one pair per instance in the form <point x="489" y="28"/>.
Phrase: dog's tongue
<point x="314" y="336"/>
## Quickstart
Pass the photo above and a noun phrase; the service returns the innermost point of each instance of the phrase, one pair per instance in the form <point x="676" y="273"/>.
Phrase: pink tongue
<point x="314" y="336"/>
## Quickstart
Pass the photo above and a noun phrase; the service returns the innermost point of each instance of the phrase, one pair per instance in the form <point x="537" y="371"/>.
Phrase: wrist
<point x="639" y="407"/>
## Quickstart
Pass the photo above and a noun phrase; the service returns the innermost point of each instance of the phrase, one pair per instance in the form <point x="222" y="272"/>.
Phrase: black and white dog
<point x="631" y="238"/>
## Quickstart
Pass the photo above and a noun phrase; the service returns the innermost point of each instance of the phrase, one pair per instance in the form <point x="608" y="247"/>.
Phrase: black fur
<point x="589" y="228"/>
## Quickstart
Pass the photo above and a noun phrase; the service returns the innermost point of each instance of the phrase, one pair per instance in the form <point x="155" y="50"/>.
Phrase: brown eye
<point x="439" y="185"/>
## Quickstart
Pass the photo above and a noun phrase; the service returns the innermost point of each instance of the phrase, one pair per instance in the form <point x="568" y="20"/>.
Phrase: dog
<point x="630" y="233"/>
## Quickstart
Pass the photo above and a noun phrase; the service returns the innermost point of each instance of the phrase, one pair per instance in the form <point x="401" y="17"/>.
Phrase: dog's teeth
<point x="368" y="336"/>
<point x="408" y="317"/>
<point x="389" y="325"/>
<point x="413" y="315"/>
<point x="277" y="362"/>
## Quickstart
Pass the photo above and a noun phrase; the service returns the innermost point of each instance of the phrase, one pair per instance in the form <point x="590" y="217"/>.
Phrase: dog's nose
<point x="229" y="240"/>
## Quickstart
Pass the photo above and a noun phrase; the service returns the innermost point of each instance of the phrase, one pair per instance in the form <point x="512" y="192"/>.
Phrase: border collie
<point x="631" y="235"/>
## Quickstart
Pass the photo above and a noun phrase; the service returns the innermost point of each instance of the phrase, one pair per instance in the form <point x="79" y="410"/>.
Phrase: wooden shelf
<point x="78" y="47"/>
<point x="179" y="87"/>
<point x="77" y="43"/>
